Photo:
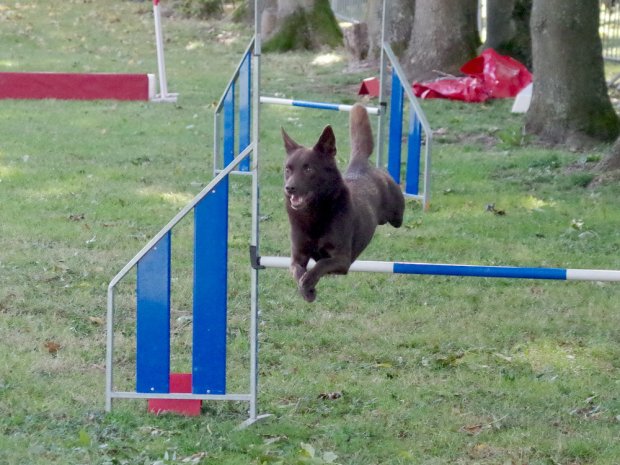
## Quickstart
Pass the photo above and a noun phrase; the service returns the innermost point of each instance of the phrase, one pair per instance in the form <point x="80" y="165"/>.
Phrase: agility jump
<point x="93" y="86"/>
<point x="210" y="208"/>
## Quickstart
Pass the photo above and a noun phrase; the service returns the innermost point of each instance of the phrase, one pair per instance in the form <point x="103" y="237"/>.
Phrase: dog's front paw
<point x="307" y="288"/>
<point x="309" y="295"/>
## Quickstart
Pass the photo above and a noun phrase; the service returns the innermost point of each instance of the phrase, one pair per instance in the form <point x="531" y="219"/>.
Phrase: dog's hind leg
<point x="396" y="205"/>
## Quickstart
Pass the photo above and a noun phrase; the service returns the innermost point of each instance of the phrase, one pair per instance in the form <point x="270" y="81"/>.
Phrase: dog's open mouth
<point x="296" y="201"/>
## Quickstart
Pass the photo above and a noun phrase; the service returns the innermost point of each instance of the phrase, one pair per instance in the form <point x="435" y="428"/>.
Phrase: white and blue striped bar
<point x="514" y="272"/>
<point x="316" y="105"/>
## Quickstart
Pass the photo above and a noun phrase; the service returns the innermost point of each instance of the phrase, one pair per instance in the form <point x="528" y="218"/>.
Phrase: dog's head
<point x="310" y="173"/>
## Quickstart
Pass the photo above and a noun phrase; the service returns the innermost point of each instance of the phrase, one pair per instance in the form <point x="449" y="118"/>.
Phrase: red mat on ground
<point x="74" y="86"/>
<point x="179" y="383"/>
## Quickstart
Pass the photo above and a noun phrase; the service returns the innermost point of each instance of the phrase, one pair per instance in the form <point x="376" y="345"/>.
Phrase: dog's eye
<point x="307" y="169"/>
<point x="287" y="170"/>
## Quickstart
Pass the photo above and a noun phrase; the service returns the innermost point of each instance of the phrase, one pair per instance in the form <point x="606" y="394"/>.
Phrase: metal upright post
<point x="382" y="104"/>
<point x="255" y="211"/>
<point x="256" y="75"/>
<point x="163" y="95"/>
<point x="109" y="358"/>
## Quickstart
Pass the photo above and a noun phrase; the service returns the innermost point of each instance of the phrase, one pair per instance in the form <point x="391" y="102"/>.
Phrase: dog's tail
<point x="360" y="133"/>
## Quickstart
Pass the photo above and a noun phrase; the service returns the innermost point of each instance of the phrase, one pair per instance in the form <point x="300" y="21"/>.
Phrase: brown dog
<point x="333" y="217"/>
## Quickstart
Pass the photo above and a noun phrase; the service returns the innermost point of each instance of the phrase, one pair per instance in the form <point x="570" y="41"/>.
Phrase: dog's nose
<point x="289" y="189"/>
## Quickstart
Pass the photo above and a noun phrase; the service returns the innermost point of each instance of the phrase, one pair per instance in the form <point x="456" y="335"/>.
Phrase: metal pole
<point x="109" y="375"/>
<point x="382" y="104"/>
<point x="255" y="211"/>
<point x="163" y="96"/>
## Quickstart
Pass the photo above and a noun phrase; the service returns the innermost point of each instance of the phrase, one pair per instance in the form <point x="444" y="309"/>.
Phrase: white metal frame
<point x="164" y="95"/>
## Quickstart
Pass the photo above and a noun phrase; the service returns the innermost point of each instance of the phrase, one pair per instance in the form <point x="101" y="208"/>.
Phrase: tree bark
<point x="398" y="25"/>
<point x="444" y="37"/>
<point x="508" y="29"/>
<point x="300" y="25"/>
<point x="570" y="104"/>
<point x="612" y="161"/>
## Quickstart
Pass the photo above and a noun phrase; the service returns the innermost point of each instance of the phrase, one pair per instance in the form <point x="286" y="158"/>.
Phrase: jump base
<point x="179" y="383"/>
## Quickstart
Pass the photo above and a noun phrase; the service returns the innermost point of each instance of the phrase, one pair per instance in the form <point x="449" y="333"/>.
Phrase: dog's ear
<point x="289" y="144"/>
<point x="327" y="142"/>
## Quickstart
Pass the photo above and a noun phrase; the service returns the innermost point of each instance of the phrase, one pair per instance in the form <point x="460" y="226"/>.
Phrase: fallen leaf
<point x="84" y="438"/>
<point x="52" y="347"/>
<point x="491" y="208"/>
<point x="383" y="365"/>
<point x="140" y="161"/>
<point x="329" y="457"/>
<point x="60" y="267"/>
<point x="481" y="451"/>
<point x="472" y="430"/>
<point x="503" y="357"/>
<point x="273" y="439"/>
<point x="590" y="411"/>
<point x="330" y="395"/>
<point x="77" y="217"/>
<point x="96" y="320"/>
<point x="477" y="428"/>
<point x="576" y="224"/>
<point x="307" y="450"/>
<point x="194" y="458"/>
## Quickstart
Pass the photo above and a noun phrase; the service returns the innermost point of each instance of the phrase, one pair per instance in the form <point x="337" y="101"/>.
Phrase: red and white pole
<point x="163" y="95"/>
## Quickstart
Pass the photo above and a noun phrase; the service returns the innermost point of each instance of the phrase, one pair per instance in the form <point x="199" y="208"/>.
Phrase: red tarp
<point x="489" y="75"/>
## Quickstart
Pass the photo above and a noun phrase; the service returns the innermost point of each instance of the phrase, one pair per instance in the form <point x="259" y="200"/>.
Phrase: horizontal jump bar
<point x="463" y="270"/>
<point x="317" y="105"/>
<point x="179" y="396"/>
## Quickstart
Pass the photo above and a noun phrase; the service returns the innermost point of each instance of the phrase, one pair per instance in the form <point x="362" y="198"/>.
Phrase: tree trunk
<point x="612" y="161"/>
<point x="444" y="37"/>
<point x="300" y="25"/>
<point x="570" y="104"/>
<point x="508" y="29"/>
<point x="398" y="25"/>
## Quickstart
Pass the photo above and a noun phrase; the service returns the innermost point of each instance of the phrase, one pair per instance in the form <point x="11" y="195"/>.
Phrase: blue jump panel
<point x="245" y="109"/>
<point x="153" y="319"/>
<point x="210" y="292"/>
<point x="414" y="145"/>
<point x="481" y="271"/>
<point x="229" y="125"/>
<point x="396" y="128"/>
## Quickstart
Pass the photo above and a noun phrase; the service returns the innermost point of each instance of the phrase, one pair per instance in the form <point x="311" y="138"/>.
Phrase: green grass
<point x="431" y="370"/>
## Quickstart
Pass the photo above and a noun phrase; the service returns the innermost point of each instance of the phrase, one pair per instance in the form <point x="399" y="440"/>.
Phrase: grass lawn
<point x="381" y="369"/>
